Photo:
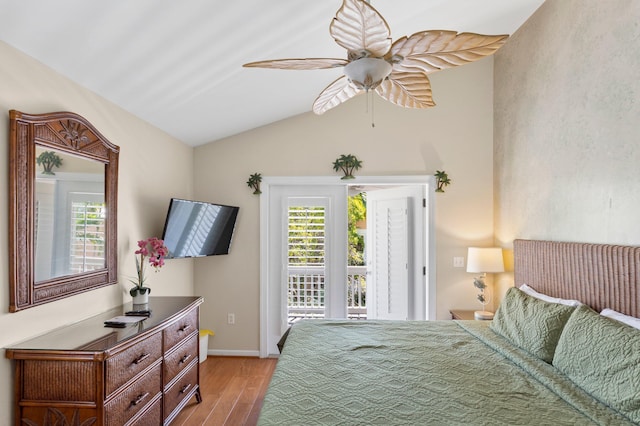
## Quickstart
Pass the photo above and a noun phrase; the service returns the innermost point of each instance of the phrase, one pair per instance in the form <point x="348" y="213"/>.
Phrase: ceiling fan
<point x="396" y="71"/>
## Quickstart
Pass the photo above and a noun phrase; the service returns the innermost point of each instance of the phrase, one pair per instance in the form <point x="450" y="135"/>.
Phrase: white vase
<point x="141" y="299"/>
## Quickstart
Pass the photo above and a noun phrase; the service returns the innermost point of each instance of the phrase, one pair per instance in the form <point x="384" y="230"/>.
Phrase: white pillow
<point x="541" y="296"/>
<point x="618" y="316"/>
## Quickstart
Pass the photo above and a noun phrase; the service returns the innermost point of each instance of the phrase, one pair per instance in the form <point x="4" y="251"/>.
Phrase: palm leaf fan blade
<point x="409" y="90"/>
<point x="299" y="64"/>
<point x="358" y="27"/>
<point x="339" y="91"/>
<point x="432" y="51"/>
<point x="422" y="42"/>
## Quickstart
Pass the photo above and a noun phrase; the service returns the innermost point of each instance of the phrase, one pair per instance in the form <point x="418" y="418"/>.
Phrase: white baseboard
<point x="219" y="352"/>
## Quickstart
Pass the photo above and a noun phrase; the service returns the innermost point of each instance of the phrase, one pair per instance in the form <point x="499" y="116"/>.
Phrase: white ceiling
<point x="178" y="64"/>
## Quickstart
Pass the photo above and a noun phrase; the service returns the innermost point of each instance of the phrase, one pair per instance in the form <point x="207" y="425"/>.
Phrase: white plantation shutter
<point x="390" y="267"/>
<point x="397" y="261"/>
<point x="306" y="236"/>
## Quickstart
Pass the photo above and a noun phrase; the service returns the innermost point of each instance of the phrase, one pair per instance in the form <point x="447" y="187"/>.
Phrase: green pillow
<point x="530" y="323"/>
<point x="602" y="356"/>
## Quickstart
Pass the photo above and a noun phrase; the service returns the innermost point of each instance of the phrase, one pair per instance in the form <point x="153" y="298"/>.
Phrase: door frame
<point x="309" y="181"/>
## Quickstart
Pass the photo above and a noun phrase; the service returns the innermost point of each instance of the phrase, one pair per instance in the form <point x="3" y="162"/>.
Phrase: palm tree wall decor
<point x="348" y="164"/>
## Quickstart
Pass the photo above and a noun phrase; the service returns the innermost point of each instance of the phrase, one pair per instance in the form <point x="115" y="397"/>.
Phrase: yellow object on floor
<point x="204" y="343"/>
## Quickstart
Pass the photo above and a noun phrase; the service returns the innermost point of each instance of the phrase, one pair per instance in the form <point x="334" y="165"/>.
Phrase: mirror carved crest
<point x="63" y="219"/>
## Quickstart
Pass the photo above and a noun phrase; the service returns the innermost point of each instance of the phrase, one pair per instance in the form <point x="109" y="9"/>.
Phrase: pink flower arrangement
<point x="154" y="249"/>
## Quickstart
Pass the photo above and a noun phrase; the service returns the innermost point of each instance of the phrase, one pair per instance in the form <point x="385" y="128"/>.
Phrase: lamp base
<point x="483" y="315"/>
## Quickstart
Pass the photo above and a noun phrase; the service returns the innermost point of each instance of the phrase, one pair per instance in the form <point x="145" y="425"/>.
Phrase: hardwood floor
<point x="232" y="392"/>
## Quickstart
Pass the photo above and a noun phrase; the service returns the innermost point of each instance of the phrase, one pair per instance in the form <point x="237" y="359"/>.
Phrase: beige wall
<point x="152" y="166"/>
<point x="567" y="121"/>
<point x="455" y="136"/>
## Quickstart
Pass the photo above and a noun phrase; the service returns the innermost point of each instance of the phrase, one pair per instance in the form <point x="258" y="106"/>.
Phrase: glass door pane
<point x="305" y="262"/>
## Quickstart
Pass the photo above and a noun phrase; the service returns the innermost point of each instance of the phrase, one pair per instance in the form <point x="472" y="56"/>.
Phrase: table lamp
<point x="484" y="260"/>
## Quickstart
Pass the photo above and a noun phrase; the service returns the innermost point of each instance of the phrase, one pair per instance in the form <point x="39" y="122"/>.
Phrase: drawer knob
<point x="185" y="358"/>
<point x="185" y="388"/>
<point x="140" y="359"/>
<point x="184" y="327"/>
<point x="139" y="399"/>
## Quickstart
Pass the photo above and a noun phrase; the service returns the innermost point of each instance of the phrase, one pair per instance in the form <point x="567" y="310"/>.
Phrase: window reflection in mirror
<point x="70" y="215"/>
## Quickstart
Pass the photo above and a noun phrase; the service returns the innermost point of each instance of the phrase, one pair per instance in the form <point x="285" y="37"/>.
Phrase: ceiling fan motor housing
<point x="367" y="73"/>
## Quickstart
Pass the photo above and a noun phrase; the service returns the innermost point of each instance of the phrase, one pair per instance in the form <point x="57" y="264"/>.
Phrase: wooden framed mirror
<point x="63" y="194"/>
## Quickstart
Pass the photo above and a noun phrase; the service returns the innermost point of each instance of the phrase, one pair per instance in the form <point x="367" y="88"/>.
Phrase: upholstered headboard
<point x="600" y="275"/>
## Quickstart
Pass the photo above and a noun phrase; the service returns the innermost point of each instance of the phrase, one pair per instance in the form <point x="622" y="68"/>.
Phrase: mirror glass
<point x="70" y="214"/>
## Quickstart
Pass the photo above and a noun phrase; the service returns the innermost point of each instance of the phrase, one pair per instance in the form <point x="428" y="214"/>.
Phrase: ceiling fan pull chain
<point x="369" y="96"/>
<point x="373" y="124"/>
<point x="369" y="99"/>
<point x="366" y="103"/>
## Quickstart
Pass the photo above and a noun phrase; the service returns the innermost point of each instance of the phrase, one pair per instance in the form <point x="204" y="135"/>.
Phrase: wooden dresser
<point x="142" y="374"/>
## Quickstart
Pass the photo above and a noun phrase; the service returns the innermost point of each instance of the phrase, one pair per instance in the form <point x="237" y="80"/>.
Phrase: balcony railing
<point x="305" y="296"/>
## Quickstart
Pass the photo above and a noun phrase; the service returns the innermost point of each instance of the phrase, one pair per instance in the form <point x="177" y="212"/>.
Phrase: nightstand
<point x="462" y="314"/>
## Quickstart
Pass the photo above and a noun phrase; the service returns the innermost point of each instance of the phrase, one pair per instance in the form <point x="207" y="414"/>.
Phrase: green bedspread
<point x="418" y="373"/>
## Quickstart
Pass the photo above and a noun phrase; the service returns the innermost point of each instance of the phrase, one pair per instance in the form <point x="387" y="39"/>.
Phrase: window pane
<point x="306" y="262"/>
<point x="87" y="236"/>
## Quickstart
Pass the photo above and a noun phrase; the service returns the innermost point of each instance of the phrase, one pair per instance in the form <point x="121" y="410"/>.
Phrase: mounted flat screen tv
<point x="196" y="229"/>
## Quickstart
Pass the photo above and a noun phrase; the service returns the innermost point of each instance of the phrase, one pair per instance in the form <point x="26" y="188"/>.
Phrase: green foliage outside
<point x="357" y="212"/>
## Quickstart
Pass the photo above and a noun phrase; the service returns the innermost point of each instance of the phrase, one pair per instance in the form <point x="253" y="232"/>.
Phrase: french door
<point x="304" y="253"/>
<point x="330" y="267"/>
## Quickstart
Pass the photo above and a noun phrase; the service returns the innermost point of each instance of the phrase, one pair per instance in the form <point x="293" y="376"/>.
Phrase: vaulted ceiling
<point x="178" y="64"/>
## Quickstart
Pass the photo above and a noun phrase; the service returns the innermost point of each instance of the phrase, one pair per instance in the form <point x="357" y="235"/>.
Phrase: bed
<point x="537" y="362"/>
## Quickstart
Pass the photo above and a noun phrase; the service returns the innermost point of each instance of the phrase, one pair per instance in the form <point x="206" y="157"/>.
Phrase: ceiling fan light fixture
<point x="367" y="73"/>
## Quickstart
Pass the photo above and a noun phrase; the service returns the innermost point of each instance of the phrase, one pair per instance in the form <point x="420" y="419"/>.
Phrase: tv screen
<point x="195" y="228"/>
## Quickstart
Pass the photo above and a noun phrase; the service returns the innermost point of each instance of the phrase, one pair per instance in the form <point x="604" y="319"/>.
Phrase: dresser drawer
<point x="134" y="398"/>
<point x="151" y="417"/>
<point x="180" y="329"/>
<point x="181" y="389"/>
<point x="124" y="365"/>
<point x="180" y="358"/>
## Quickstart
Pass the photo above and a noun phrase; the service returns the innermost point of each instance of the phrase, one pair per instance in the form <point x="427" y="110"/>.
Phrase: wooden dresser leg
<point x="198" y="396"/>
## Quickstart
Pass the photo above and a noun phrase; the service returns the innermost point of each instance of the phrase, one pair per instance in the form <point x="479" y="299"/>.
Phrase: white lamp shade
<point x="485" y="259"/>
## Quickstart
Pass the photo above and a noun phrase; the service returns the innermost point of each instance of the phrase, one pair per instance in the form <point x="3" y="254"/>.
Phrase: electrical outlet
<point x="231" y="319"/>
<point x="458" y="262"/>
